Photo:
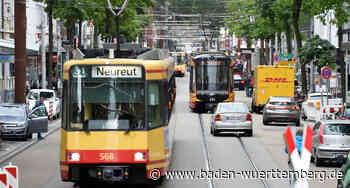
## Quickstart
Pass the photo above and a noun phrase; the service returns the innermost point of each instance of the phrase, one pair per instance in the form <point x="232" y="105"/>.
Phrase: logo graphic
<point x="9" y="176"/>
<point x="276" y="80"/>
<point x="303" y="162"/>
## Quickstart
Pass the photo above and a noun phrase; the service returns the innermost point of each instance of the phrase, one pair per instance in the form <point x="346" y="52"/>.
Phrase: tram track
<point x="207" y="156"/>
<point x="205" y="151"/>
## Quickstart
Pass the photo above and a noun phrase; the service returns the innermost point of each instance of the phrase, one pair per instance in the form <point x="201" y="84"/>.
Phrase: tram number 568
<point x="106" y="156"/>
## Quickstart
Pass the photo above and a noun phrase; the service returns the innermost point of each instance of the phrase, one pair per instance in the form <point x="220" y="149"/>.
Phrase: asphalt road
<point x="193" y="150"/>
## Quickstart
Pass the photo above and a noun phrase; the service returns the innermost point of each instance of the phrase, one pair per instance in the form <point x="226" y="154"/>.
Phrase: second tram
<point x="210" y="80"/>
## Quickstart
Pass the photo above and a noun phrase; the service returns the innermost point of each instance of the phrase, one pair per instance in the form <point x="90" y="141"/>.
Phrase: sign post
<point x="326" y="73"/>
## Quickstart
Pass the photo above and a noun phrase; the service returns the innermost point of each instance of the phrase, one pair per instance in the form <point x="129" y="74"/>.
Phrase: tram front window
<point x="109" y="105"/>
<point x="212" y="77"/>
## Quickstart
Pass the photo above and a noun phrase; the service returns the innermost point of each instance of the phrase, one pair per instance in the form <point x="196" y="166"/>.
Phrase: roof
<point x="317" y="94"/>
<point x="211" y="54"/>
<point x="281" y="98"/>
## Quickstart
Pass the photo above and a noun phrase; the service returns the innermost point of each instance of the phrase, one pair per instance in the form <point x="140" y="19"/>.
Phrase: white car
<point x="312" y="108"/>
<point x="50" y="99"/>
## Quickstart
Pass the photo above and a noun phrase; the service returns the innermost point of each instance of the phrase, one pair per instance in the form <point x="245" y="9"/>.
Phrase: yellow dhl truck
<point x="271" y="81"/>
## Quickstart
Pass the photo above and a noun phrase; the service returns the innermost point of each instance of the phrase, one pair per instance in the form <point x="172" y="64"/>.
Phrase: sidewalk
<point x="9" y="148"/>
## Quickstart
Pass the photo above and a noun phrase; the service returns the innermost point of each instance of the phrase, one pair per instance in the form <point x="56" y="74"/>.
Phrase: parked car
<point x="50" y="98"/>
<point x="17" y="122"/>
<point x="232" y="117"/>
<point x="238" y="82"/>
<point x="331" y="139"/>
<point x="281" y="109"/>
<point x="311" y="107"/>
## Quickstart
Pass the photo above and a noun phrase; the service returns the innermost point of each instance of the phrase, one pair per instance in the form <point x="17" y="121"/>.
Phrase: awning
<point x="11" y="51"/>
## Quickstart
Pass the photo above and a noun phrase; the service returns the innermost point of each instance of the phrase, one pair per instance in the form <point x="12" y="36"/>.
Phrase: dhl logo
<point x="276" y="80"/>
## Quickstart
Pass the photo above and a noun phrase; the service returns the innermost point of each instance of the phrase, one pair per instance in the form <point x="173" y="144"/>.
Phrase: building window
<point x="349" y="36"/>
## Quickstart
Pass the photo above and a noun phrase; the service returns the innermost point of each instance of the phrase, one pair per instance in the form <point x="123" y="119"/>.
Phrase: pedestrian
<point x="38" y="104"/>
<point x="247" y="86"/>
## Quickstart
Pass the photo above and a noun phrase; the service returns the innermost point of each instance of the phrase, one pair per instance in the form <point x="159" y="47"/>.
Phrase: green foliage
<point x="319" y="51"/>
<point x="73" y="11"/>
<point x="267" y="18"/>
<point x="340" y="8"/>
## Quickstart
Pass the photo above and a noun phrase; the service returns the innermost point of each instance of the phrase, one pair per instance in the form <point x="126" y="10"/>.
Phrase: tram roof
<point x="155" y="69"/>
<point x="210" y="54"/>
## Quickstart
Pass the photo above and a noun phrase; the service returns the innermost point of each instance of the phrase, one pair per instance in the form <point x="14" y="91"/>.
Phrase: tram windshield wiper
<point x="128" y="130"/>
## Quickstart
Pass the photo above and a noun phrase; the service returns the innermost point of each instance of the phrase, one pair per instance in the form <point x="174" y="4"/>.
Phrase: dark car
<point x="281" y="110"/>
<point x="17" y="122"/>
<point x="238" y="82"/>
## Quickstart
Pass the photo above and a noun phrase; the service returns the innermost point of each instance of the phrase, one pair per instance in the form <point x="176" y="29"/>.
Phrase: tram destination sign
<point x="116" y="72"/>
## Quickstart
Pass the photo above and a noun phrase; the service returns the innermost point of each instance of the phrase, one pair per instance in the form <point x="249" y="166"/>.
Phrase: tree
<point x="318" y="51"/>
<point x="262" y="28"/>
<point x="341" y="13"/>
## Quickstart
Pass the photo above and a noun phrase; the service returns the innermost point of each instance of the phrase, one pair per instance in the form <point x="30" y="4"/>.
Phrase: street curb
<point x="7" y="156"/>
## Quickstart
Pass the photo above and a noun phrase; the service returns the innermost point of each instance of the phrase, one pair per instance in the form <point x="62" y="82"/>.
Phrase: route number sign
<point x="326" y="73"/>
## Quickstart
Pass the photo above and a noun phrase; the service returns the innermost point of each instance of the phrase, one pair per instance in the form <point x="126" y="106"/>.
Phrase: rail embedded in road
<point x="205" y="151"/>
<point x="207" y="158"/>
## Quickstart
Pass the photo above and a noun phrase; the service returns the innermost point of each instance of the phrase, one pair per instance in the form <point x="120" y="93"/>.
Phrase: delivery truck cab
<point x="271" y="81"/>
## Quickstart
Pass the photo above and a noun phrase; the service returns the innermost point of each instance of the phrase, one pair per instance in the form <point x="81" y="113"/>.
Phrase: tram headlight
<point x="140" y="156"/>
<point x="73" y="156"/>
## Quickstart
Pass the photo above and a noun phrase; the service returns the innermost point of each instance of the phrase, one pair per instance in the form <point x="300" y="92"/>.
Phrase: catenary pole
<point x="20" y="51"/>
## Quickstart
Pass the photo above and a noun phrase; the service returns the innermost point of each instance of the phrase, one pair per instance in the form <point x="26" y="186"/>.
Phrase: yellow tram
<point x="210" y="80"/>
<point x="114" y="128"/>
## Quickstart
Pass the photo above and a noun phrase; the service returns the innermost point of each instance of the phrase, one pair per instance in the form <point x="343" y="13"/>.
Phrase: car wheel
<point x="215" y="132"/>
<point x="318" y="161"/>
<point x="249" y="133"/>
<point x="30" y="136"/>
<point x="265" y="122"/>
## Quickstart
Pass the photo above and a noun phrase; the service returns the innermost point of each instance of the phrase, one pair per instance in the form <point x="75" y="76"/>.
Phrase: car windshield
<point x="337" y="129"/>
<point x="215" y="77"/>
<point x="347" y="112"/>
<point x="318" y="97"/>
<point x="233" y="108"/>
<point x="12" y="113"/>
<point x="237" y="77"/>
<point x="179" y="60"/>
<point x="46" y="94"/>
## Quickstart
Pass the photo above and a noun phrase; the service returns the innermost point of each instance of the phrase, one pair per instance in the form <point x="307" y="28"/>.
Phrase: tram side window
<point x="64" y="105"/>
<point x="157" y="97"/>
<point x="191" y="80"/>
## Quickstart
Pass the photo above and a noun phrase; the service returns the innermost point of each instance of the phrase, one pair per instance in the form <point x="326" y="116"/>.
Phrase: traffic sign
<point x="326" y="73"/>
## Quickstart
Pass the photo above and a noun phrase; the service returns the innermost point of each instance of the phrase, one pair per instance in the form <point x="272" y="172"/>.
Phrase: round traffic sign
<point x="326" y="73"/>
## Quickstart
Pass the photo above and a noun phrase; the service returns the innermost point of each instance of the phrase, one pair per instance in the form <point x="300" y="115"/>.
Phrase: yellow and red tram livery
<point x="210" y="80"/>
<point x="114" y="128"/>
